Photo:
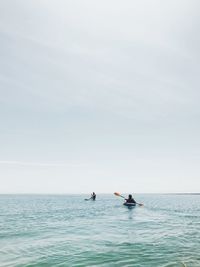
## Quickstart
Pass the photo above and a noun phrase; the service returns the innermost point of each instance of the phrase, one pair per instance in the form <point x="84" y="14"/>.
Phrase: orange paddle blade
<point x="117" y="194"/>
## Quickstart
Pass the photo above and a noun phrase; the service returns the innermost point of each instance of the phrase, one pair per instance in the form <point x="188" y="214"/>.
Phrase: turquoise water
<point x="39" y="230"/>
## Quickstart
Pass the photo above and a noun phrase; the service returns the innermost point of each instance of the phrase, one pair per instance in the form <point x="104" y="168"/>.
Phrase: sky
<point x="99" y="96"/>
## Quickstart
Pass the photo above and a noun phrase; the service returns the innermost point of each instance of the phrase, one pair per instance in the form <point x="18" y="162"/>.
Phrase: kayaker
<point x="130" y="199"/>
<point x="93" y="196"/>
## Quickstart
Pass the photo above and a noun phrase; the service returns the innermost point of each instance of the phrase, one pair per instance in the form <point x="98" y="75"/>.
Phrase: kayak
<point x="129" y="204"/>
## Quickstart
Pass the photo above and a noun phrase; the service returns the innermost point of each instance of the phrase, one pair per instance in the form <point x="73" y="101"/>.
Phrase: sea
<point x="67" y="230"/>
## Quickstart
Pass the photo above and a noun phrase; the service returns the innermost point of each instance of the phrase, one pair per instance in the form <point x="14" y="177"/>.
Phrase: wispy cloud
<point x="38" y="164"/>
<point x="85" y="83"/>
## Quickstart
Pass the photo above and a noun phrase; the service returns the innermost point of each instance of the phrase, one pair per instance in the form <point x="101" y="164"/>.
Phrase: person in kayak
<point x="130" y="199"/>
<point x="93" y="196"/>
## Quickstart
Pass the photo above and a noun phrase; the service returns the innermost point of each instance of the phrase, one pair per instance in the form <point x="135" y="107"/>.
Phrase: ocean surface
<point x="66" y="230"/>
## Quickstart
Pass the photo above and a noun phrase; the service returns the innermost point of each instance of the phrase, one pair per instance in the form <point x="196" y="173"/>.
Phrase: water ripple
<point x="37" y="231"/>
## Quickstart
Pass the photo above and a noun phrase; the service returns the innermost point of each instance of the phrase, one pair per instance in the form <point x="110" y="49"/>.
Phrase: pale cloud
<point x="40" y="164"/>
<point x="85" y="83"/>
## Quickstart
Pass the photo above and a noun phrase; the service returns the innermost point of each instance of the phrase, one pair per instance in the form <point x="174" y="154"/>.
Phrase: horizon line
<point x="103" y="193"/>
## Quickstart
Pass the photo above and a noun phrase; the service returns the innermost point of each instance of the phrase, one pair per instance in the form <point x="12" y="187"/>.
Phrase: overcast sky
<point x="99" y="96"/>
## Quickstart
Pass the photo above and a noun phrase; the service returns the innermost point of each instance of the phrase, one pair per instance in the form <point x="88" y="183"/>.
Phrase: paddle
<point x="88" y="198"/>
<point x="119" y="195"/>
